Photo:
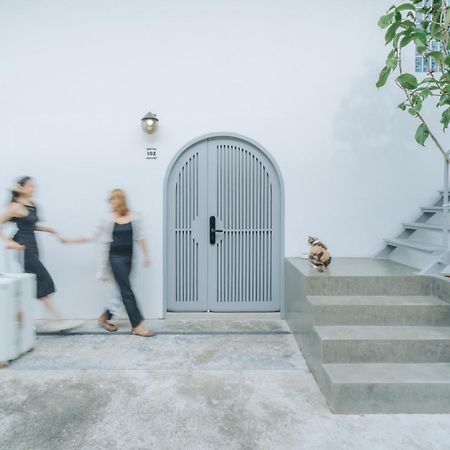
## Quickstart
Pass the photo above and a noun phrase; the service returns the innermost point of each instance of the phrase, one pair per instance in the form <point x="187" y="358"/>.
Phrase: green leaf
<point x="385" y="20"/>
<point x="392" y="60"/>
<point x="407" y="81"/>
<point x="407" y="24"/>
<point x="422" y="134"/>
<point x="384" y="75"/>
<point x="447" y="18"/>
<point x="420" y="38"/>
<point x="445" y="118"/>
<point x="444" y="100"/>
<point x="425" y="24"/>
<point x="447" y="61"/>
<point x="397" y="38"/>
<point x="402" y="106"/>
<point x="435" y="31"/>
<point x="415" y="109"/>
<point x="406" y="7"/>
<point x="390" y="33"/>
<point x="438" y="56"/>
<point x="406" y="40"/>
<point x="425" y="93"/>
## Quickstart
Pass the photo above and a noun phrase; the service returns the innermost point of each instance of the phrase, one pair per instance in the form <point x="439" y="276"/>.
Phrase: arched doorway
<point x="223" y="227"/>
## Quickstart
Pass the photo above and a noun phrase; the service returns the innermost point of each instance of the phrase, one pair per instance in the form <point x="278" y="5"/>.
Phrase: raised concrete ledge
<point x="441" y="287"/>
<point x="365" y="291"/>
<point x="354" y="267"/>
<point x="361" y="276"/>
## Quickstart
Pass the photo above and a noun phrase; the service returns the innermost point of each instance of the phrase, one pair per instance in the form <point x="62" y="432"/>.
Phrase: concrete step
<point x="415" y="245"/>
<point x="329" y="284"/>
<point x="388" y="388"/>
<point x="431" y="209"/>
<point x="379" y="310"/>
<point x="376" y="344"/>
<point x="422" y="226"/>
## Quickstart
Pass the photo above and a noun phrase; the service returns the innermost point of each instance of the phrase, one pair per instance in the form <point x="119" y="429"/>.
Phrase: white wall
<point x="76" y="77"/>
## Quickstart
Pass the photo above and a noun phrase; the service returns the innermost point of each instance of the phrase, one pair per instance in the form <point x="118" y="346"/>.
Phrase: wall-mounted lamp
<point x="149" y="123"/>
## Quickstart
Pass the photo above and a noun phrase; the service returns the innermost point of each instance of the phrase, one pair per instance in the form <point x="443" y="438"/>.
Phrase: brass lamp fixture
<point x="149" y="123"/>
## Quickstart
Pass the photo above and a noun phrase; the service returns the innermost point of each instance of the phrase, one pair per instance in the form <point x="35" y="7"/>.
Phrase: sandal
<point x="104" y="323"/>
<point x="141" y="331"/>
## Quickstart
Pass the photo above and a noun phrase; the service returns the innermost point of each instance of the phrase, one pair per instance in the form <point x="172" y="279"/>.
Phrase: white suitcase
<point x="25" y="301"/>
<point x="9" y="336"/>
<point x="17" y="304"/>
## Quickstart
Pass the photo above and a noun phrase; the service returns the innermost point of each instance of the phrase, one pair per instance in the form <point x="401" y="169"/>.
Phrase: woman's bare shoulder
<point x="15" y="209"/>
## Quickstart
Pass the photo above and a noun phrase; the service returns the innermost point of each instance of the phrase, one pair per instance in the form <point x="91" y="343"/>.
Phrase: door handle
<point x="213" y="230"/>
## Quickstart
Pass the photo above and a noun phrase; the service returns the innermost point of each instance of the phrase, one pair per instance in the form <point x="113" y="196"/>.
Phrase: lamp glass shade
<point x="149" y="123"/>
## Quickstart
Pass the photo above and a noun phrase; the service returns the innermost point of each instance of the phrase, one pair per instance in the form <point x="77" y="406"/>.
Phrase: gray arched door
<point x="223" y="228"/>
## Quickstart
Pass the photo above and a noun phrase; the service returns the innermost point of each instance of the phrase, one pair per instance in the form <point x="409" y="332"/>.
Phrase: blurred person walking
<point x="22" y="211"/>
<point x="117" y="233"/>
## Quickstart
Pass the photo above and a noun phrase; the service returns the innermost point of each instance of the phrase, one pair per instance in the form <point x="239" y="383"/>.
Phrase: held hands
<point x="81" y="240"/>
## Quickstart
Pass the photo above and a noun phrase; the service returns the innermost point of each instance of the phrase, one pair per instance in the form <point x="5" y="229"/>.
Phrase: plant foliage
<point x="420" y="24"/>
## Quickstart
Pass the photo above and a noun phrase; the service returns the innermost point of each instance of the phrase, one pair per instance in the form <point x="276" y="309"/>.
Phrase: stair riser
<point x="368" y="286"/>
<point x="425" y="315"/>
<point x="369" y="398"/>
<point x="388" y="351"/>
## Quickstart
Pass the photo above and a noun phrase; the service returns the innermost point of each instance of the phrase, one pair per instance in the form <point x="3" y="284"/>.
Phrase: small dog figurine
<point x="319" y="257"/>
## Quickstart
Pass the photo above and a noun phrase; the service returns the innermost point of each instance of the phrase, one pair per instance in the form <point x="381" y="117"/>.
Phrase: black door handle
<point x="212" y="230"/>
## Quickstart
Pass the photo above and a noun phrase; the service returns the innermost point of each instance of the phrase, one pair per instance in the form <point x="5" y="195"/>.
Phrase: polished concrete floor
<point x="204" y="382"/>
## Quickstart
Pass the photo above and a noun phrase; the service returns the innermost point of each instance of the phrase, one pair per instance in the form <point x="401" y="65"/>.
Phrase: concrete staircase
<point x="424" y="236"/>
<point x="375" y="343"/>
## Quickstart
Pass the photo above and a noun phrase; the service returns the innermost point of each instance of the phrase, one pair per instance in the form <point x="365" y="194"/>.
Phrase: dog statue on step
<point x="319" y="257"/>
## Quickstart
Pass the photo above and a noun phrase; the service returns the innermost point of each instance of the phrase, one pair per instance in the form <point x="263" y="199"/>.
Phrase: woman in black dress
<point x="23" y="212"/>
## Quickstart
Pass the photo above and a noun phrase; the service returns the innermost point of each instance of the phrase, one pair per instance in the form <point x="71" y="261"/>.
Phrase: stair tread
<point x="403" y="373"/>
<point x="431" y="208"/>
<point x="375" y="300"/>
<point x="419" y="245"/>
<point x="377" y="332"/>
<point x="424" y="226"/>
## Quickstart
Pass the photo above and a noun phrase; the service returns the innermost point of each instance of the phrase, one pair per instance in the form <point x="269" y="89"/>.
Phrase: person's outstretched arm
<point x="46" y="229"/>
<point x="84" y="239"/>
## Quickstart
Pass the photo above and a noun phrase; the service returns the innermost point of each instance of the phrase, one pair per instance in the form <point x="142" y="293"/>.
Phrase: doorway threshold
<point x="208" y="315"/>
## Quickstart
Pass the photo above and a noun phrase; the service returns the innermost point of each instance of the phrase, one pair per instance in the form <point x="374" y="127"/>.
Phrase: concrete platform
<point x="372" y="331"/>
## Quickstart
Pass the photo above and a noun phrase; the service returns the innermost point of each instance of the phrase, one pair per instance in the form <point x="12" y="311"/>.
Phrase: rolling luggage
<point x="17" y="304"/>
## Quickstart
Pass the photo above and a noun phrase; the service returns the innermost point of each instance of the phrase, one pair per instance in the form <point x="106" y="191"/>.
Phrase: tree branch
<point x="418" y="115"/>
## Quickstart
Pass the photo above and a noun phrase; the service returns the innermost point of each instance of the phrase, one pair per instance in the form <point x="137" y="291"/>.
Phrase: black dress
<point x="25" y="236"/>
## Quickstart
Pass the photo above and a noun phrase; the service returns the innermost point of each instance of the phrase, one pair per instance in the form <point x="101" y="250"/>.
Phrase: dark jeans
<point x="121" y="268"/>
